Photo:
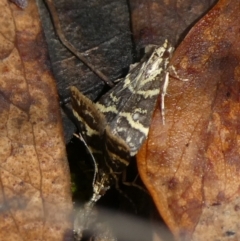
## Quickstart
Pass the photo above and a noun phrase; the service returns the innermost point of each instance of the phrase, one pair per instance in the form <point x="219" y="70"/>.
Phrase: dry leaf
<point x="191" y="165"/>
<point x="35" y="197"/>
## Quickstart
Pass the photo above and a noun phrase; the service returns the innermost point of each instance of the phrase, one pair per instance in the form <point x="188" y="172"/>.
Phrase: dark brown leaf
<point x="191" y="165"/>
<point x="100" y="31"/>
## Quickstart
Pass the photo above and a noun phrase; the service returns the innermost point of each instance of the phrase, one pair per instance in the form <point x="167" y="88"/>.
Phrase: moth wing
<point x="110" y="151"/>
<point x="91" y="121"/>
<point x="129" y="112"/>
<point x="117" y="153"/>
<point x="114" y="100"/>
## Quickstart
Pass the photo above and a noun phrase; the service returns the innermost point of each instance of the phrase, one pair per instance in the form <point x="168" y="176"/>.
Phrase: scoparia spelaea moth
<point x="114" y="128"/>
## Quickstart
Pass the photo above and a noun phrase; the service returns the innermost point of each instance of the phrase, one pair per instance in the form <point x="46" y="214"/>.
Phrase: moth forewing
<point x="85" y="111"/>
<point x="114" y="101"/>
<point x="90" y="121"/>
<point x="128" y="107"/>
<point x="117" y="152"/>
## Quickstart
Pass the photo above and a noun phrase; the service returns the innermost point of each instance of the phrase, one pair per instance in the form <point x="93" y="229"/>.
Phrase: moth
<point x="114" y="128"/>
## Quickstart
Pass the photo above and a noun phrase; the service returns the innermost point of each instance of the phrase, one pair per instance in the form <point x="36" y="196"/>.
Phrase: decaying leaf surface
<point x="35" y="197"/>
<point x="191" y="165"/>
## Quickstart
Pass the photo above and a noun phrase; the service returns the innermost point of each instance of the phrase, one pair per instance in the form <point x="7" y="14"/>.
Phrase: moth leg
<point x="172" y="68"/>
<point x="133" y="183"/>
<point x="116" y="179"/>
<point x="164" y="92"/>
<point x="127" y="197"/>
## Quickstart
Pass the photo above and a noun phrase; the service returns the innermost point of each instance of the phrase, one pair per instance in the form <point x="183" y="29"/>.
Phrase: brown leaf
<point x="35" y="197"/>
<point x="191" y="165"/>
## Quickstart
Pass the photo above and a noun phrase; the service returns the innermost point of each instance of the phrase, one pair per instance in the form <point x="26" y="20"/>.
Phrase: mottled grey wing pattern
<point x="128" y="107"/>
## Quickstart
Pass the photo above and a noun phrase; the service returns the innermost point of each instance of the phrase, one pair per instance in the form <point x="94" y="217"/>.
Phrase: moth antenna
<point x="80" y="137"/>
<point x="133" y="183"/>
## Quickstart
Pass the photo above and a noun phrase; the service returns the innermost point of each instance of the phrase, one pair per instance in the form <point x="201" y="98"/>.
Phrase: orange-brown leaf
<point x="191" y="165"/>
<point x="35" y="197"/>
